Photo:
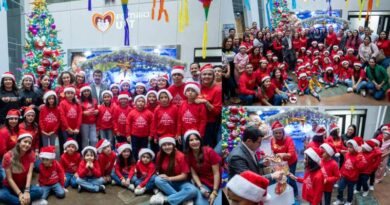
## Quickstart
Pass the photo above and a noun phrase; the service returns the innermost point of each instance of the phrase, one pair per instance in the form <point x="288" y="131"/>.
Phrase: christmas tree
<point x="279" y="12"/>
<point x="42" y="49"/>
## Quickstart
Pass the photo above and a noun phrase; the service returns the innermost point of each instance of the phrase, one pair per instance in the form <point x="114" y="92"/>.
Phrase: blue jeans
<point x="201" y="200"/>
<point x="70" y="180"/>
<point x="149" y="186"/>
<point x="377" y="94"/>
<point x="116" y="178"/>
<point x="360" y="86"/>
<point x="58" y="190"/>
<point x="246" y="99"/>
<point x="177" y="192"/>
<point x="293" y="183"/>
<point x="386" y="62"/>
<point x="276" y="100"/>
<point x="49" y="140"/>
<point x="107" y="134"/>
<point x="7" y="195"/>
<point x="90" y="184"/>
<point x="342" y="184"/>
<point x="88" y="135"/>
<point x="137" y="143"/>
<point x="363" y="182"/>
<point x="306" y="91"/>
<point x="2" y="173"/>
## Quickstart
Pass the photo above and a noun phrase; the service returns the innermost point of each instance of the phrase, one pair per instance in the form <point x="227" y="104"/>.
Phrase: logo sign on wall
<point x="103" y="22"/>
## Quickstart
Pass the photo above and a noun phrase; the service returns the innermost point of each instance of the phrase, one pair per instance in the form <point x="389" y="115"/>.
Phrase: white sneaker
<point x="139" y="191"/>
<point x="40" y="202"/>
<point x="363" y="92"/>
<point x="336" y="185"/>
<point x="371" y="188"/>
<point x="365" y="193"/>
<point x="356" y="191"/>
<point x="158" y="199"/>
<point x="349" y="89"/>
<point x="326" y="86"/>
<point x="338" y="202"/>
<point x="155" y="190"/>
<point x="190" y="202"/>
<point x="348" y="203"/>
<point x="131" y="187"/>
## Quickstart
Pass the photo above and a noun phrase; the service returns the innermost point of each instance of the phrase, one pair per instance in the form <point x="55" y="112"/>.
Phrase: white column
<point x="4" y="59"/>
<point x="252" y="14"/>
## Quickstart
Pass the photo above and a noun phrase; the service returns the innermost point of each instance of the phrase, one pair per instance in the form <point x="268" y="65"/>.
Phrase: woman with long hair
<point x="9" y="95"/>
<point x="66" y="79"/>
<point x="383" y="44"/>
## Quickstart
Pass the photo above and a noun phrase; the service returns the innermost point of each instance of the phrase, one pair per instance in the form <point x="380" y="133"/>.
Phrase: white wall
<point x="4" y="62"/>
<point x="76" y="31"/>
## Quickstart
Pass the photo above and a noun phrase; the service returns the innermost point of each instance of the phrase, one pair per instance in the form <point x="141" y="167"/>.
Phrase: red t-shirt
<point x="330" y="170"/>
<point x="139" y="123"/>
<point x="105" y="117"/>
<point x="285" y="146"/>
<point x="269" y="92"/>
<point x="385" y="46"/>
<point x="19" y="178"/>
<point x="181" y="164"/>
<point x="177" y="93"/>
<point x="313" y="186"/>
<point x="191" y="116"/>
<point x="204" y="171"/>
<point x="70" y="163"/>
<point x="214" y="96"/>
<point x="120" y="119"/>
<point x="71" y="115"/>
<point x="165" y="121"/>
<point x="49" y="119"/>
<point x="87" y="106"/>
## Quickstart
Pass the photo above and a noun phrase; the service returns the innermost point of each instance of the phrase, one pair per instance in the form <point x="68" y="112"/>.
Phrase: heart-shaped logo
<point x="103" y="22"/>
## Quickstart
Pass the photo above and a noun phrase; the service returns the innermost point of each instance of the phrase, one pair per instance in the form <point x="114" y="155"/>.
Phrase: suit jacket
<point x="103" y="87"/>
<point x="240" y="160"/>
<point x="285" y="44"/>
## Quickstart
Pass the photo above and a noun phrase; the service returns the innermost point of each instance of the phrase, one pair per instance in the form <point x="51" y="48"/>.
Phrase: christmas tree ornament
<point x="206" y="7"/>
<point x="47" y="52"/>
<point x="41" y="70"/>
<point x="55" y="65"/>
<point x="45" y="62"/>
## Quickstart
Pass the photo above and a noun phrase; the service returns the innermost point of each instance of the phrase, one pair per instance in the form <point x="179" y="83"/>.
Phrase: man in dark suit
<point x="243" y="157"/>
<point x="288" y="50"/>
<point x="97" y="86"/>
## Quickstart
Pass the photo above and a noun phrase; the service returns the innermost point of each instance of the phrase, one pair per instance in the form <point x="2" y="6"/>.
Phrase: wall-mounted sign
<point x="103" y="22"/>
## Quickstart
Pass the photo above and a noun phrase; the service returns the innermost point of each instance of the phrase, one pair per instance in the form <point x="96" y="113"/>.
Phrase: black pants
<point x="211" y="134"/>
<point x="327" y="197"/>
<point x="362" y="182"/>
<point x="372" y="178"/>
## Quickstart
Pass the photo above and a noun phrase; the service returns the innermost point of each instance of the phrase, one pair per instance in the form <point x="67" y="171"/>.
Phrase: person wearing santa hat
<point x="162" y="82"/>
<point x="313" y="180"/>
<point x="140" y="89"/>
<point x="9" y="95"/>
<point x="89" y="172"/>
<point x="177" y="88"/>
<point x="120" y="116"/>
<point x="383" y="137"/>
<point x="254" y="57"/>
<point x="125" y="87"/>
<point x="248" y="85"/>
<point x="124" y="166"/>
<point x="378" y="159"/>
<point x="330" y="78"/>
<point x="49" y="119"/>
<point x="303" y="84"/>
<point x="240" y="61"/>
<point x="106" y="158"/>
<point x="205" y="168"/>
<point x="211" y="97"/>
<point x="9" y="132"/>
<point x="115" y="89"/>
<point x="138" y="124"/>
<point x="280" y="81"/>
<point x="71" y="114"/>
<point x="370" y="159"/>
<point x="344" y="74"/>
<point x="51" y="175"/>
<point x="173" y="174"/>
<point x="268" y="93"/>
<point x="43" y="85"/>
<point x="277" y="45"/>
<point x="18" y="164"/>
<point x="29" y="125"/>
<point x="80" y="80"/>
<point x="265" y="67"/>
<point x="330" y="170"/>
<point x="331" y="38"/>
<point x="70" y="161"/>
<point x="104" y="124"/>
<point x="195" y="73"/>
<point x="248" y="188"/>
<point x="318" y="139"/>
<point x="284" y="148"/>
<point x="28" y="93"/>
<point x="336" y="141"/>
<point x="152" y="102"/>
<point x="350" y="171"/>
<point x="65" y="79"/>
<point x="145" y="169"/>
<point x="165" y="118"/>
<point x="89" y="107"/>
<point x="357" y="81"/>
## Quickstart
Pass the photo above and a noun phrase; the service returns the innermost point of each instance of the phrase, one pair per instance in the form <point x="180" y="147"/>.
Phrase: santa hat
<point x="303" y="48"/>
<point x="314" y="42"/>
<point x="302" y="75"/>
<point x="275" y="57"/>
<point x="146" y="151"/>
<point x="250" y="186"/>
<point x="120" y="147"/>
<point x="354" y="144"/>
<point x="359" y="140"/>
<point x="321" y="44"/>
<point x="242" y="47"/>
<point x="351" y="49"/>
<point x="263" y="60"/>
<point x="28" y="75"/>
<point x="71" y="141"/>
<point x="308" y="51"/>
<point x="332" y="127"/>
<point x="329" y="68"/>
<point x="70" y="89"/>
<point x="114" y="85"/>
<point x="107" y="92"/>
<point x="139" y="97"/>
<point x="307" y="64"/>
<point x="326" y="51"/>
<point x="8" y="75"/>
<point x="369" y="145"/>
<point x="124" y="81"/>
<point x="345" y="62"/>
<point x="376" y="141"/>
<point x="47" y="94"/>
<point x="166" y="139"/>
<point x="269" y="53"/>
<point x="336" y="46"/>
<point x="320" y="130"/>
<point x="140" y="84"/>
<point x="192" y="85"/>
<point x="357" y="64"/>
<point x="48" y="152"/>
<point x="206" y="68"/>
<point x="301" y="66"/>
<point x="123" y="95"/>
<point x="277" y="126"/>
<point x="299" y="60"/>
<point x="315" y="60"/>
<point x="13" y="113"/>
<point x="329" y="148"/>
<point x="164" y="91"/>
<point x="178" y="69"/>
<point x="101" y="144"/>
<point x="80" y="72"/>
<point x="84" y="88"/>
<point x="28" y="110"/>
<point x="93" y="149"/>
<point x="385" y="130"/>
<point x="189" y="133"/>
<point x="164" y="76"/>
<point x="151" y="92"/>
<point x="316" y="51"/>
<point x="336" y="56"/>
<point x="340" y="52"/>
<point x="265" y="77"/>
<point x="313" y="155"/>
<point x="24" y="135"/>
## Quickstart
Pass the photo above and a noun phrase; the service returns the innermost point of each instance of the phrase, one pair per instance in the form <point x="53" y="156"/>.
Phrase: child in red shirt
<point x="140" y="89"/>
<point x="51" y="175"/>
<point x="9" y="133"/>
<point x="120" y="115"/>
<point x="49" y="119"/>
<point x="330" y="170"/>
<point x="105" y="117"/>
<point x="370" y="159"/>
<point x="144" y="175"/>
<point x="70" y="161"/>
<point x="114" y="88"/>
<point x="152" y="102"/>
<point x="89" y="172"/>
<point x="71" y="114"/>
<point x="138" y="125"/>
<point x="330" y="78"/>
<point x="378" y="156"/>
<point x="269" y="93"/>
<point x="90" y="110"/>
<point x="29" y="125"/>
<point x="106" y="159"/>
<point x="125" y="87"/>
<point x="124" y="166"/>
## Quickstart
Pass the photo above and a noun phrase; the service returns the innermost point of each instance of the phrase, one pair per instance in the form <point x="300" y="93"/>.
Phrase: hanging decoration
<point x="347" y="3"/>
<point x="268" y="8"/>
<point x="125" y="16"/>
<point x="206" y="7"/>
<point x="377" y="3"/>
<point x="89" y="5"/>
<point x="361" y="6"/>
<point x="247" y="5"/>
<point x="294" y="4"/>
<point x="329" y="7"/>
<point x="103" y="22"/>
<point x="4" y="5"/>
<point x="369" y="8"/>
<point x="184" y="18"/>
<point x="161" y="11"/>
